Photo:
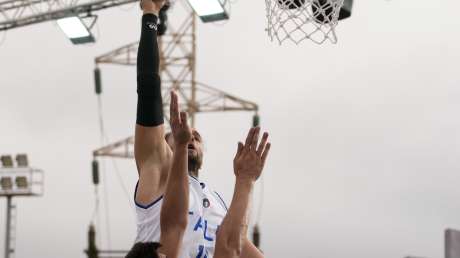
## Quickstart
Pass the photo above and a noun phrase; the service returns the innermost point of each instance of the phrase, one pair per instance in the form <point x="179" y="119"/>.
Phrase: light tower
<point x="15" y="181"/>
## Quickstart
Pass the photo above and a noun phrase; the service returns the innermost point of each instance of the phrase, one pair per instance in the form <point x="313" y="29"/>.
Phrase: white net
<point x="297" y="20"/>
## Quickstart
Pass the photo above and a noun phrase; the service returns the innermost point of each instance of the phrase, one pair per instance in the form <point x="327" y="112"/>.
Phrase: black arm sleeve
<point x="149" y="101"/>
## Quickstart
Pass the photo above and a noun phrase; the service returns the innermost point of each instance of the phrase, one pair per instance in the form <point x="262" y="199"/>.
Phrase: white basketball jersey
<point x="206" y="212"/>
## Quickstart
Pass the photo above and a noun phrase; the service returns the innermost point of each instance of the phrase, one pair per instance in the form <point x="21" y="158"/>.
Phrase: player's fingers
<point x="265" y="153"/>
<point x="176" y="104"/>
<point x="171" y="106"/>
<point x="255" y="138"/>
<point x="249" y="137"/>
<point x="239" y="150"/>
<point x="183" y="118"/>
<point x="262" y="144"/>
<point x="176" y="110"/>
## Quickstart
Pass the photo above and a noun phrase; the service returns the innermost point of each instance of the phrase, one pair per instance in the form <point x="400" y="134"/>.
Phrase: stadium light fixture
<point x="7" y="161"/>
<point x="22" y="160"/>
<point x="17" y="181"/>
<point x="209" y="10"/>
<point x="6" y="183"/>
<point x="75" y="30"/>
<point x="21" y="182"/>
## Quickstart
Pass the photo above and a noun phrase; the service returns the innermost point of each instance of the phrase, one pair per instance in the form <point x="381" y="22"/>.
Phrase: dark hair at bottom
<point x="144" y="250"/>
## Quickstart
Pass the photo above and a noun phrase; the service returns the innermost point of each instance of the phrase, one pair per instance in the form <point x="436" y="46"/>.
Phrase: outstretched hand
<point x="250" y="158"/>
<point x="181" y="131"/>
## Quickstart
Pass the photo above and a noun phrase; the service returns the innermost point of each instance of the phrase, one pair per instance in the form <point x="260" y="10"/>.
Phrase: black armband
<point x="149" y="101"/>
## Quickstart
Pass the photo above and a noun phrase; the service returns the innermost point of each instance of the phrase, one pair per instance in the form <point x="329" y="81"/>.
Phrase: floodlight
<point x="75" y="30"/>
<point x="7" y="161"/>
<point x="209" y="10"/>
<point x="6" y="183"/>
<point x="21" y="182"/>
<point x="22" y="160"/>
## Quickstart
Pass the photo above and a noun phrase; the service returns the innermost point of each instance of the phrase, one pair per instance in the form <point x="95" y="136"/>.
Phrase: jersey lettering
<point x="199" y="224"/>
<point x="202" y="251"/>
<point x="200" y="236"/>
<point x="206" y="230"/>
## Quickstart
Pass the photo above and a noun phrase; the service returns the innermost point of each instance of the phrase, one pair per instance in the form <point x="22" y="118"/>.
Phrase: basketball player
<point x="153" y="156"/>
<point x="248" y="164"/>
<point x="174" y="208"/>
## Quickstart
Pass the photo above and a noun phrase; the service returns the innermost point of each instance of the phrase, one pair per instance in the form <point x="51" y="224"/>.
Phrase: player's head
<point x="195" y="150"/>
<point x="145" y="250"/>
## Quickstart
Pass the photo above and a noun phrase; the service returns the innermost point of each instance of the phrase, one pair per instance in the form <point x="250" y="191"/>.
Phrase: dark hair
<point x="144" y="250"/>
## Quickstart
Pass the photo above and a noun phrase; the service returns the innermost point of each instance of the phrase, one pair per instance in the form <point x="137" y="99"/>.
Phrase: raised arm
<point x="174" y="212"/>
<point x="248" y="165"/>
<point x="150" y="148"/>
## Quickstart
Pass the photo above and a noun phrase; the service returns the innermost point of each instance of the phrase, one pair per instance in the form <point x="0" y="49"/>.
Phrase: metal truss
<point x="18" y="13"/>
<point x="177" y="68"/>
<point x="120" y="149"/>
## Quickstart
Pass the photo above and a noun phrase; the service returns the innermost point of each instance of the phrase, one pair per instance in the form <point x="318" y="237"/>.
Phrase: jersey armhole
<point x="147" y="206"/>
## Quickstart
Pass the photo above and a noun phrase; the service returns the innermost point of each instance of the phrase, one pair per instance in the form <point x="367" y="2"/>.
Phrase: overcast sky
<point x="365" y="133"/>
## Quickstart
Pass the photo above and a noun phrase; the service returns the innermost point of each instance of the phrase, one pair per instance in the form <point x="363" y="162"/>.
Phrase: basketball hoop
<point x="297" y="20"/>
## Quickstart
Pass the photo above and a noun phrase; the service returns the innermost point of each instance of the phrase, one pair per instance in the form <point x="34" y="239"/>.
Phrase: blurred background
<point x="365" y="133"/>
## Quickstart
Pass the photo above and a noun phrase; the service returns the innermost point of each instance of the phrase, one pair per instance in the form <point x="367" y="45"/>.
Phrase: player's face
<point x="195" y="146"/>
<point x="195" y="149"/>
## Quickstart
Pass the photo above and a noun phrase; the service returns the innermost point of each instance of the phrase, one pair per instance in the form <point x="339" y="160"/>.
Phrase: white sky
<point x="365" y="133"/>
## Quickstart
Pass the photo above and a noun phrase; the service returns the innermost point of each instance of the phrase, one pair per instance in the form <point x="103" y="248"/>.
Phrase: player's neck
<point x="193" y="168"/>
<point x="193" y="173"/>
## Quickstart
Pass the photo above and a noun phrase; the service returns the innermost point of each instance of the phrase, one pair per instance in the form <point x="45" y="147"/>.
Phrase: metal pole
<point x="193" y="66"/>
<point x="8" y="226"/>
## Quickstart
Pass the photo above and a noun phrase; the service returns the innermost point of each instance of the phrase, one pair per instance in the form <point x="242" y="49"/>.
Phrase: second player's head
<point x="145" y="250"/>
<point x="195" y="151"/>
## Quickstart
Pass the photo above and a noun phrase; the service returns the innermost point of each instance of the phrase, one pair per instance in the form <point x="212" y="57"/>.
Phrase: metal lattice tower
<point x="10" y="238"/>
<point x="19" y="13"/>
<point x="178" y="72"/>
<point x="17" y="181"/>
